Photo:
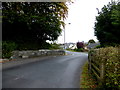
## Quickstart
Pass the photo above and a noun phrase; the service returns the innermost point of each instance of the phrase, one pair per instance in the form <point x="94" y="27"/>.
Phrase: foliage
<point x="91" y="41"/>
<point x="55" y="46"/>
<point x="79" y="50"/>
<point x="33" y="46"/>
<point x="80" y="45"/>
<point x="7" y="48"/>
<point x="32" y="22"/>
<point x="0" y="49"/>
<point x="98" y="46"/>
<point x="110" y="56"/>
<point x="107" y="25"/>
<point x="113" y="68"/>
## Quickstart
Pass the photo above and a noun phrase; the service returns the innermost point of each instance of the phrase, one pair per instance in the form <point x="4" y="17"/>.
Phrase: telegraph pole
<point x="65" y="37"/>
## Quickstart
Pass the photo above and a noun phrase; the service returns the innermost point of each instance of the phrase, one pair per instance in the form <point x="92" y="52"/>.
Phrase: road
<point x="51" y="72"/>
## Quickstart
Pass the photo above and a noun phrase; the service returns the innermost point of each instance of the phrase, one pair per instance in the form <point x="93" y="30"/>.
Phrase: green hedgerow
<point x="7" y="48"/>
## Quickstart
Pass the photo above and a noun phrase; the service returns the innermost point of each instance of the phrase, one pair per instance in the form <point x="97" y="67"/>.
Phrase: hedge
<point x="110" y="56"/>
<point x="7" y="48"/>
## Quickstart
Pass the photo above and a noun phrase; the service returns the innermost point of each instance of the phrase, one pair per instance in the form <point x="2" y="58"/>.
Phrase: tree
<point x="91" y="41"/>
<point x="33" y="22"/>
<point x="107" y="25"/>
<point x="80" y="45"/>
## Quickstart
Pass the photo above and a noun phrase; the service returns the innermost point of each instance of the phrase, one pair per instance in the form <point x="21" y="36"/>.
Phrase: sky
<point x="81" y="15"/>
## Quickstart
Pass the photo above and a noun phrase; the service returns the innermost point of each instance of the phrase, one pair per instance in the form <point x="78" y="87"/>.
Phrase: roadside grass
<point x="86" y="80"/>
<point x="70" y="50"/>
<point x="76" y="51"/>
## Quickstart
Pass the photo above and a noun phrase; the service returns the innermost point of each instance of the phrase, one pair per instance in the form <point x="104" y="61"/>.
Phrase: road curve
<point x="52" y="72"/>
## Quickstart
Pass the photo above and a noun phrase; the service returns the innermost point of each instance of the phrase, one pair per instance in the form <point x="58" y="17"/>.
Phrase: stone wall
<point x="36" y="53"/>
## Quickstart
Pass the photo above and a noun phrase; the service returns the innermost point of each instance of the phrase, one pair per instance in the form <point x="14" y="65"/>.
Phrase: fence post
<point x="89" y="62"/>
<point x="102" y="74"/>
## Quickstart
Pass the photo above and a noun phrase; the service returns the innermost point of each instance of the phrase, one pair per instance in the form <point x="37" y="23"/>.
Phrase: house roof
<point x="93" y="45"/>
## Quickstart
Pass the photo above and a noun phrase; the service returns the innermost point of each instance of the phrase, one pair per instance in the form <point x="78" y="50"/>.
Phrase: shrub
<point x="7" y="48"/>
<point x="55" y="46"/>
<point x="98" y="46"/>
<point x="80" y="45"/>
<point x="110" y="56"/>
<point x="79" y="50"/>
<point x="113" y="67"/>
<point x="33" y="46"/>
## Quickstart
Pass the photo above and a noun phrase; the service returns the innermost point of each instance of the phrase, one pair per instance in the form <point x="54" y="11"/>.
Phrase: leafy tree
<point x="91" y="41"/>
<point x="32" y="22"/>
<point x="80" y="45"/>
<point x="107" y="25"/>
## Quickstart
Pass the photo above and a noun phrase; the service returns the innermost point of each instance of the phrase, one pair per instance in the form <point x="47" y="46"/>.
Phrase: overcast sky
<point x="81" y="15"/>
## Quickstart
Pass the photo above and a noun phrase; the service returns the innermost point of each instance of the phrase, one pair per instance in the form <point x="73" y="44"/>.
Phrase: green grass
<point x="76" y="51"/>
<point x="86" y="80"/>
<point x="70" y="50"/>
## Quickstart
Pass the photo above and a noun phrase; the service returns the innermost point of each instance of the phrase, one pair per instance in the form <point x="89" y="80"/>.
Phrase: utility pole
<point x="65" y="37"/>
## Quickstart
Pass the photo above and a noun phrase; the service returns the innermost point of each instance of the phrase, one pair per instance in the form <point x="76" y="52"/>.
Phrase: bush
<point x="33" y="46"/>
<point x="113" y="68"/>
<point x="110" y="56"/>
<point x="55" y="46"/>
<point x="7" y="48"/>
<point x="98" y="46"/>
<point x="79" y="50"/>
<point x="80" y="45"/>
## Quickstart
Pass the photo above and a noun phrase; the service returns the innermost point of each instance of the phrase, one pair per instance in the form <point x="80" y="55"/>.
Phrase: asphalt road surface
<point x="50" y="72"/>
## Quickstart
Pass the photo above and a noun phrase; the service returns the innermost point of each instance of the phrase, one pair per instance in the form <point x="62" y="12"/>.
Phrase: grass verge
<point x="86" y="80"/>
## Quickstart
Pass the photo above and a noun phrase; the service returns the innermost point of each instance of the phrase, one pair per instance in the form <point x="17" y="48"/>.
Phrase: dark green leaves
<point x="107" y="25"/>
<point x="33" y="21"/>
